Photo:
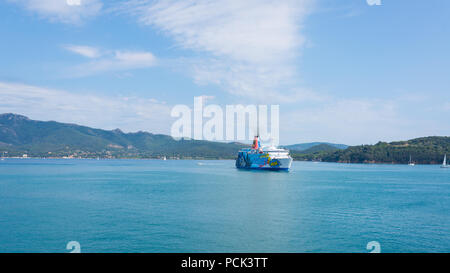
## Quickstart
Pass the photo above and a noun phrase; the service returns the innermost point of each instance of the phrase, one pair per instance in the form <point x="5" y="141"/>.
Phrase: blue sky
<point x="341" y="71"/>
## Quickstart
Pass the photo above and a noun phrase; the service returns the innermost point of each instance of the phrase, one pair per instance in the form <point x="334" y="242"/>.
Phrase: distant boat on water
<point x="410" y="162"/>
<point x="164" y="158"/>
<point x="444" y="164"/>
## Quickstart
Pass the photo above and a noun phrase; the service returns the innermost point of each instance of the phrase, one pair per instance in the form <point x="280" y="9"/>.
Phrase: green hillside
<point x="306" y="146"/>
<point x="20" y="135"/>
<point x="320" y="148"/>
<point x="425" y="150"/>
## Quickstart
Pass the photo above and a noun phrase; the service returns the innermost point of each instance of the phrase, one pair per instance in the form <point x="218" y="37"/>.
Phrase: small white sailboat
<point x="3" y="156"/>
<point x="164" y="158"/>
<point x="410" y="162"/>
<point x="444" y="164"/>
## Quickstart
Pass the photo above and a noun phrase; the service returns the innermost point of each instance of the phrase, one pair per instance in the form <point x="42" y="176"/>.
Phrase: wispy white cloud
<point x="350" y="121"/>
<point x="362" y="121"/>
<point x="126" y="113"/>
<point x="249" y="48"/>
<point x="109" y="60"/>
<point x="64" y="11"/>
<point x="347" y="121"/>
<point x="135" y="58"/>
<point x="86" y="51"/>
<point x="446" y="106"/>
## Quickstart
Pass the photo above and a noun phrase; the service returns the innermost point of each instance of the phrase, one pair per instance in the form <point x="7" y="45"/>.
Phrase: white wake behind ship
<point x="263" y="158"/>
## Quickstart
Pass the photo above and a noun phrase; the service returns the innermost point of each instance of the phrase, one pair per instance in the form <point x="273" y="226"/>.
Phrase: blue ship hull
<point x="264" y="169"/>
<point x="255" y="160"/>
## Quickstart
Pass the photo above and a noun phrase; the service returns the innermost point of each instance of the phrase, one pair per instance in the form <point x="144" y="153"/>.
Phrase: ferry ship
<point x="263" y="158"/>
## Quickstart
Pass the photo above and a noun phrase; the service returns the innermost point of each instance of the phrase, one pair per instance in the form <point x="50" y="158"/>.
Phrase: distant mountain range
<point x="20" y="135"/>
<point x="323" y="146"/>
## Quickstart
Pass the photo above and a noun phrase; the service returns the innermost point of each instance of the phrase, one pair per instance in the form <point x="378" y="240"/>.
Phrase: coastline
<point x="215" y="159"/>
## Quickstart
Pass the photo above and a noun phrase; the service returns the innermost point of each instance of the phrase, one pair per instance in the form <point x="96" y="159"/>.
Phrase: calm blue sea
<point x="209" y="206"/>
